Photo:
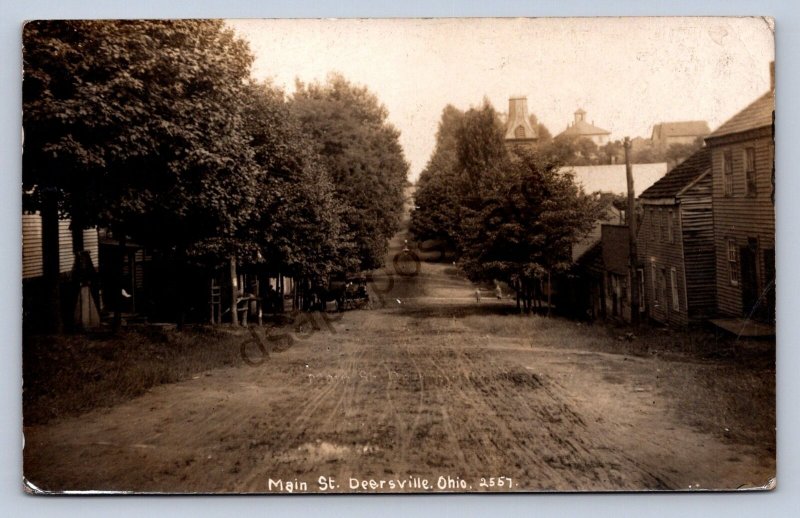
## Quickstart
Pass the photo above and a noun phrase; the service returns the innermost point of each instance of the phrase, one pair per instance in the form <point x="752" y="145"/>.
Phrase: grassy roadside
<point x="71" y="374"/>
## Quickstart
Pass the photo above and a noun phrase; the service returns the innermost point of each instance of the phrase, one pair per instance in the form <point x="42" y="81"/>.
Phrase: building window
<point x="671" y="226"/>
<point x="519" y="132"/>
<point x="733" y="262"/>
<point x="662" y="232"/>
<point x="750" y="170"/>
<point x="673" y="280"/>
<point x="640" y="280"/>
<point x="652" y="225"/>
<point x="653" y="282"/>
<point x="662" y="286"/>
<point x="727" y="171"/>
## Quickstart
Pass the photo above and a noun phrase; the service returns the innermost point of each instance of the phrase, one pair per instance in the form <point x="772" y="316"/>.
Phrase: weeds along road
<point x="428" y="385"/>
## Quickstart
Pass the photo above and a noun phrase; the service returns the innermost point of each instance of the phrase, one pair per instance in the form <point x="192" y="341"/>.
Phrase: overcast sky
<point x="628" y="74"/>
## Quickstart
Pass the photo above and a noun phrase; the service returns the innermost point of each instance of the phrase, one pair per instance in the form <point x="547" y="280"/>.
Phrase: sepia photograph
<point x="439" y="255"/>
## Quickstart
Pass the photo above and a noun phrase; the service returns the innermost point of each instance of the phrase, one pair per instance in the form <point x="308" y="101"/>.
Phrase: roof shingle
<point x="680" y="176"/>
<point x="757" y="115"/>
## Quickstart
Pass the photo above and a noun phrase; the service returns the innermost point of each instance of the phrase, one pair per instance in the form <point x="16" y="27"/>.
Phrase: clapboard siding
<point x="32" y="263"/>
<point x="31" y="246"/>
<point x="697" y="228"/>
<point x="739" y="216"/>
<point x="656" y="252"/>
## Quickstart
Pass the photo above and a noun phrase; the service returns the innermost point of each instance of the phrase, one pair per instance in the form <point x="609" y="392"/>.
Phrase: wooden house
<point x="32" y="259"/>
<point x="675" y="244"/>
<point x="742" y="163"/>
<point x="616" y="273"/>
<point x="598" y="286"/>
<point x="666" y="134"/>
<point x="34" y="288"/>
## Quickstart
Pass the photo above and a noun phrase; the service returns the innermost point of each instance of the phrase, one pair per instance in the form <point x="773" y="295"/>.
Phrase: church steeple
<point x="518" y="127"/>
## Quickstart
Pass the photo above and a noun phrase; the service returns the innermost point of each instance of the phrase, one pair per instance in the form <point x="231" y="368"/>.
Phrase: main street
<point x="427" y="390"/>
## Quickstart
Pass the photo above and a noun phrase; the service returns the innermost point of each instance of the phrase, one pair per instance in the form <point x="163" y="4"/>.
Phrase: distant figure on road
<point x="498" y="292"/>
<point x="477" y="294"/>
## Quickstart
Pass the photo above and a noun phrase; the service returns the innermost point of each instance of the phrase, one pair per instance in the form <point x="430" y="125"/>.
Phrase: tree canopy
<point x="155" y="130"/>
<point x="361" y="151"/>
<point x="139" y="126"/>
<point x="510" y="212"/>
<point x="296" y="226"/>
<point x="438" y="187"/>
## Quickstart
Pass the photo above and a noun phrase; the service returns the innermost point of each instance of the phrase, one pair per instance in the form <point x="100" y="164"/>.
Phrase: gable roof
<point x="681" y="129"/>
<point x="757" y="115"/>
<point x="583" y="128"/>
<point x="680" y="176"/>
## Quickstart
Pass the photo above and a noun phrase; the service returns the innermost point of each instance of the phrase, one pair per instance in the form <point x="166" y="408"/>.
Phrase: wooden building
<point x="742" y="163"/>
<point x="32" y="259"/>
<point x="598" y="286"/>
<point x="616" y="272"/>
<point x="666" y="134"/>
<point x="675" y="244"/>
<point x="35" y="290"/>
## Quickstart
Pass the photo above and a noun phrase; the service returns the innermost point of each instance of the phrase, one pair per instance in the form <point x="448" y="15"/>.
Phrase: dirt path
<point x="409" y="394"/>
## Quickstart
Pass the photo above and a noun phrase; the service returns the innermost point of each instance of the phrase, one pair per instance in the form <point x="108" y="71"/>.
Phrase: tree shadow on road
<point x="456" y="310"/>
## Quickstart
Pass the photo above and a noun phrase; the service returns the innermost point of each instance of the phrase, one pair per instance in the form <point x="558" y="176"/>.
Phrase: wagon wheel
<point x="407" y="263"/>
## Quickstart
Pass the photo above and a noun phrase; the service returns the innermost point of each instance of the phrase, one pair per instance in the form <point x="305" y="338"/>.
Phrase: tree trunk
<point x="180" y="284"/>
<point x="234" y="291"/>
<point x="118" y="298"/>
<point x="549" y="293"/>
<point x="77" y="236"/>
<point x="50" y="261"/>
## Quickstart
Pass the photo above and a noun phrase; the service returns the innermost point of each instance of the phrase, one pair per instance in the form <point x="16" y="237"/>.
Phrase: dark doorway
<point x="769" y="279"/>
<point x="749" y="280"/>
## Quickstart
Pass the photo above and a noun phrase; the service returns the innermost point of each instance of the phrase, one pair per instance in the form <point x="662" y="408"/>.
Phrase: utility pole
<point x="633" y="259"/>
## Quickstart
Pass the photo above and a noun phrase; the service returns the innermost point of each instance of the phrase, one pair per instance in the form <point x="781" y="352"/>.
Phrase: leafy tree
<point x="543" y="134"/>
<point x="647" y="152"/>
<point x="362" y="153"/>
<point x="611" y="153"/>
<point x="137" y="126"/>
<point x="437" y="196"/>
<point x="480" y="144"/>
<point x="513" y="215"/>
<point x="577" y="150"/>
<point x="469" y="146"/>
<point x="296" y="227"/>
<point x="530" y="216"/>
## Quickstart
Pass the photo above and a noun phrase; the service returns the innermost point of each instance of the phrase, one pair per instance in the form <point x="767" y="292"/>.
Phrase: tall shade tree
<point x="480" y="144"/>
<point x="513" y="216"/>
<point x="469" y="147"/>
<point x="297" y="226"/>
<point x="362" y="153"/>
<point x="137" y="126"/>
<point x="436" y="199"/>
<point x="529" y="217"/>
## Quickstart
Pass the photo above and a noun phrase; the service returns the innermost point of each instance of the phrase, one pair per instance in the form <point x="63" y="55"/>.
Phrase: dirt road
<point x="412" y="395"/>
